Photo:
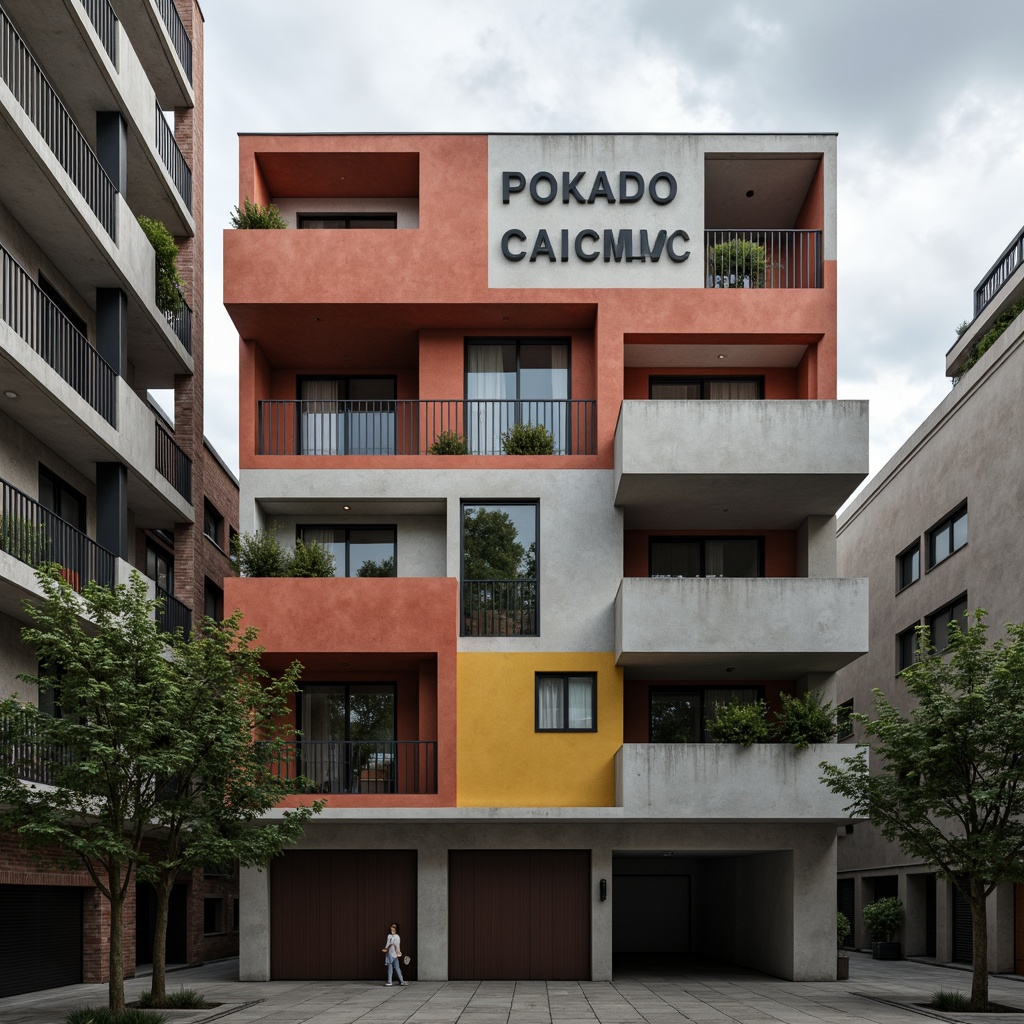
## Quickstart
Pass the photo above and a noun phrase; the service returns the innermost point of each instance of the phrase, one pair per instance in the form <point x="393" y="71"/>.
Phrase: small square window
<point x="949" y="536"/>
<point x="213" y="915"/>
<point x="566" y="703"/>
<point x="906" y="648"/>
<point x="908" y="566"/>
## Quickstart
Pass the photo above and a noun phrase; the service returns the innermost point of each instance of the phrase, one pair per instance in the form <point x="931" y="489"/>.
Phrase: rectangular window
<point x="949" y="536"/>
<point x="61" y="498"/>
<point x="213" y="915"/>
<point x="566" y="703"/>
<point x="908" y="566"/>
<point x="680" y="715"/>
<point x="515" y="381"/>
<point x="347" y="415"/>
<point x="213" y="601"/>
<point x="844" y="720"/>
<point x="708" y="388"/>
<point x="213" y="523"/>
<point x="707" y="556"/>
<point x="906" y="648"/>
<point x="357" y="550"/>
<point x="500" y="569"/>
<point x="160" y="567"/>
<point x="349" y="221"/>
<point x="939" y="622"/>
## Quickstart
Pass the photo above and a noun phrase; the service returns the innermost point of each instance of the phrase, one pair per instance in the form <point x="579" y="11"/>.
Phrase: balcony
<point x="172" y="463"/>
<point x="176" y="33"/>
<point x="172" y="615"/>
<point x="1011" y="260"/>
<point x="763" y="259"/>
<point x="360" y="766"/>
<point x="712" y="782"/>
<point x="737" y="464"/>
<point x="33" y="760"/>
<point x="104" y="20"/>
<point x="411" y="427"/>
<point x="739" y="628"/>
<point x="173" y="160"/>
<point x="499" y="607"/>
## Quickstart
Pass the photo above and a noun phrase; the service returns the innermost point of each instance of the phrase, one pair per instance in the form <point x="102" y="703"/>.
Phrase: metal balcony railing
<point x="104" y="20"/>
<point x="414" y="426"/>
<point x="181" y="324"/>
<point x="172" y="463"/>
<point x="1003" y="269"/>
<point x="176" y="30"/>
<point x="500" y="608"/>
<point x="170" y="154"/>
<point x="33" y="759"/>
<point x="39" y="100"/>
<point x="35" y="318"/>
<point x="360" y="766"/>
<point x="35" y="535"/>
<point x="741" y="258"/>
<point x="172" y="615"/>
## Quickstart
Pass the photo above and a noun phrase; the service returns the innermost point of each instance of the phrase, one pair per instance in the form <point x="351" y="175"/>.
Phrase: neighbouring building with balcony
<point x="508" y="682"/>
<point x="101" y="119"/>
<point x="937" y="533"/>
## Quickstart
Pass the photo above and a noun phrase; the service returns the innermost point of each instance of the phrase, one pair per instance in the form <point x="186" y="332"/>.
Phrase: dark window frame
<point x="702" y="540"/>
<point x="218" y="523"/>
<point x="844" y="720"/>
<point x="948" y="522"/>
<point x="50" y="290"/>
<point x="159" y="551"/>
<point x="346" y="378"/>
<point x="219" y="916"/>
<point x="343" y="221"/>
<point x="350" y="528"/>
<point x="704" y="382"/>
<point x="59" y="484"/>
<point x="304" y="689"/>
<point x="946" y="608"/>
<point x="211" y="589"/>
<point x="564" y="677"/>
<point x="702" y="691"/>
<point x="519" y="342"/>
<point x="902" y="580"/>
<point x="907" y="652"/>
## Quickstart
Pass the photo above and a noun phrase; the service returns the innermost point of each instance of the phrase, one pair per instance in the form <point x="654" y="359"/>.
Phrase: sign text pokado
<point x="589" y="244"/>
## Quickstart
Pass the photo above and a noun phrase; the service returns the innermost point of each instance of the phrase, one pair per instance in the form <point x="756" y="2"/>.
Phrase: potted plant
<point x="528" y="439"/>
<point x="883" y="918"/>
<point x="842" y="960"/>
<point x="738" y="263"/>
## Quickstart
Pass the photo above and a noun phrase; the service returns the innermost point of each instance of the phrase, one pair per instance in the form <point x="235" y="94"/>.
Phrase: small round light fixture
<point x="721" y="355"/>
<point x="346" y="507"/>
<point x="750" y="193"/>
<point x="731" y="669"/>
<point x="10" y="394"/>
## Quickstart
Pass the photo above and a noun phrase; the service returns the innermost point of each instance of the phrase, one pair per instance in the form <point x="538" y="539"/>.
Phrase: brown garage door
<point x="519" y="915"/>
<point x="330" y="911"/>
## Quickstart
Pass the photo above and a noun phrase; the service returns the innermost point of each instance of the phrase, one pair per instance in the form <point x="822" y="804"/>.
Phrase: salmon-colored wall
<point x="779" y="549"/>
<point x="779" y="382"/>
<point x="812" y="215"/>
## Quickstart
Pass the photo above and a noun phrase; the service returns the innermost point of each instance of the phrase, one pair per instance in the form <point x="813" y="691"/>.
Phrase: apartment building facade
<point x="936" y="533"/>
<point x="101" y="115"/>
<point x="507" y="684"/>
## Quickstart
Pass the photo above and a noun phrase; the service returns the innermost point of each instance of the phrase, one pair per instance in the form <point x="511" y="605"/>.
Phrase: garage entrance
<point x="41" y="940"/>
<point x="330" y="911"/>
<point x="519" y="915"/>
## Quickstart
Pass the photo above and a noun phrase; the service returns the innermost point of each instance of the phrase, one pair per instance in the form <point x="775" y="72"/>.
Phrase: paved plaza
<point x="877" y="993"/>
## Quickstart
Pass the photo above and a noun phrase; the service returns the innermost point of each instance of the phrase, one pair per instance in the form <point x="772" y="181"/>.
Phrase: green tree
<point x="491" y="546"/>
<point x="949" y="788"/>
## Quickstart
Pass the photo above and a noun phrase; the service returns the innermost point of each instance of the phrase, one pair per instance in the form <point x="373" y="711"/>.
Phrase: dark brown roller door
<point x="330" y="911"/>
<point x="40" y="937"/>
<point x="519" y="915"/>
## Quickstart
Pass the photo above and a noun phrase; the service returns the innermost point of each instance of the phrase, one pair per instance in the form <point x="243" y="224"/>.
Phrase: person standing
<point x="393" y="955"/>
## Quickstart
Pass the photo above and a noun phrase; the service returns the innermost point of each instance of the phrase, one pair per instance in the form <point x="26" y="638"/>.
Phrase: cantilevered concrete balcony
<point x="739" y="628"/>
<point x="710" y="782"/>
<point x="737" y="464"/>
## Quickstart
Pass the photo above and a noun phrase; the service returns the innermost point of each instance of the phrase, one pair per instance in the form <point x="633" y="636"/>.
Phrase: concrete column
<point x="253" y="925"/>
<point x="1001" y="929"/>
<point x="112" y="328"/>
<point x="112" y="508"/>
<point x="864" y="893"/>
<point x="914" y="934"/>
<point x="943" y="920"/>
<point x="432" y="912"/>
<point x="112" y="147"/>
<point x="814" y="907"/>
<point x="816" y="547"/>
<point x="601" y="925"/>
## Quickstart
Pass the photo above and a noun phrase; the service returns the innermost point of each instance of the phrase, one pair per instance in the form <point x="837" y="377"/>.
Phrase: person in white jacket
<point x="393" y="955"/>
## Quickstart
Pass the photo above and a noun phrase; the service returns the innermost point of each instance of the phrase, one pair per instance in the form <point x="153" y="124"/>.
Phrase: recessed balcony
<point x="737" y="464"/>
<point x="739" y="628"/>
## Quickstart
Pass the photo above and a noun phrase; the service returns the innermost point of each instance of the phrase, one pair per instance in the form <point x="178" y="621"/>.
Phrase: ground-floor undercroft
<point x="542" y="897"/>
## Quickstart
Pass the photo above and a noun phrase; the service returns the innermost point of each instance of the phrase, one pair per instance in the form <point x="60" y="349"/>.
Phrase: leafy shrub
<point x="370" y="568"/>
<point x="183" y="999"/>
<point x="740" y="258"/>
<point x="101" y="1015"/>
<point x="311" y="560"/>
<point x="168" y="283"/>
<point x="23" y="539"/>
<point x="448" y="442"/>
<point x="843" y="928"/>
<point x="949" y="1001"/>
<point x="528" y="439"/>
<point x="992" y="335"/>
<point x="736" y="722"/>
<point x="257" y="216"/>
<point x="805" y="720"/>
<point x="258" y="554"/>
<point x="883" y="917"/>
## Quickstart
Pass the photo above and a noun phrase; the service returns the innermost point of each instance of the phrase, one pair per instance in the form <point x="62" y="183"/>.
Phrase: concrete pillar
<point x="943" y="920"/>
<point x="432" y="912"/>
<point x="253" y="924"/>
<point x="112" y="328"/>
<point x="814" y="906"/>
<point x="1001" y="929"/>
<point x="112" y="147"/>
<point x="914" y="934"/>
<point x="816" y="547"/>
<point x="112" y="508"/>
<point x="601" y="925"/>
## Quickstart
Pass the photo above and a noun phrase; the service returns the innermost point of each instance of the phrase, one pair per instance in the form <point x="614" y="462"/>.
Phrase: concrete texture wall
<point x="16" y="658"/>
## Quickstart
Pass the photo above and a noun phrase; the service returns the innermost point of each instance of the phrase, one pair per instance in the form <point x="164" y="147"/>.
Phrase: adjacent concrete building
<point x="507" y="685"/>
<point x="101" y="121"/>
<point x="937" y="533"/>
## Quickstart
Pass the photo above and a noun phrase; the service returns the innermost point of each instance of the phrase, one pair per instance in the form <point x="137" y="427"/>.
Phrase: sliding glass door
<point x="347" y="416"/>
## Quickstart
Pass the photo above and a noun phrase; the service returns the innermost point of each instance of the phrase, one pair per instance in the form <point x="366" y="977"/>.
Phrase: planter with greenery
<point x="449" y="442"/>
<point x="738" y="264"/>
<point x="990" y="337"/>
<point x="805" y="720"/>
<point x="251" y="216"/>
<point x="843" y="929"/>
<point x="168" y="283"/>
<point x="261" y="554"/>
<point x="740" y="723"/>
<point x="882" y="919"/>
<point x="528" y="439"/>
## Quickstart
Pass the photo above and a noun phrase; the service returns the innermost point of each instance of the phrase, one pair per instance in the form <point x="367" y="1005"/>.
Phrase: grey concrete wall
<point x="763" y="925"/>
<point x="254" y="924"/>
<point x="816" y="547"/>
<point x="16" y="658"/>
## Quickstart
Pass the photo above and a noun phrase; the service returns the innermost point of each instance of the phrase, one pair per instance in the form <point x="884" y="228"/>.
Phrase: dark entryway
<point x="145" y="923"/>
<point x="963" y="936"/>
<point x="40" y="937"/>
<point x="519" y="915"/>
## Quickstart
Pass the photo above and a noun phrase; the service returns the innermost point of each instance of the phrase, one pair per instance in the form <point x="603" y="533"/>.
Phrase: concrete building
<point x="101" y="115"/>
<point x="507" y="685"/>
<point x="936" y="532"/>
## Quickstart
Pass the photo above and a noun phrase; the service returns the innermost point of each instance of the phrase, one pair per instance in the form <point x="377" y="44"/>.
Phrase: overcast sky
<point x="927" y="97"/>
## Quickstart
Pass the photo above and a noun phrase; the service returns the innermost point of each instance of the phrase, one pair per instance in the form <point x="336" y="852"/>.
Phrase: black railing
<point x="181" y="324"/>
<point x="177" y="168"/>
<point x="500" y="608"/>
<point x="48" y="332"/>
<point x="35" y="535"/>
<point x="1003" y="269"/>
<point x="176" y="30"/>
<point x="104" y="20"/>
<point x="419" y="426"/>
<point x="172" y="615"/>
<point x="30" y="87"/>
<point x="33" y="759"/>
<point x="763" y="259"/>
<point x="172" y="463"/>
<point x="360" y="766"/>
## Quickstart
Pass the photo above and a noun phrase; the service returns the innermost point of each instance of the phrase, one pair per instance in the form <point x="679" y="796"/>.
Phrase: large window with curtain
<point x="566" y="703"/>
<point x="710" y="388"/>
<point x="512" y="381"/>
<point x="681" y="715"/>
<point x="357" y="550"/>
<point x="347" y="416"/>
<point x="707" y="556"/>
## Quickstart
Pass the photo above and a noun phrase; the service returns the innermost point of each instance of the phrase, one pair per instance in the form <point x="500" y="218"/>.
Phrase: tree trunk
<point x="163" y="887"/>
<point x="979" y="934"/>
<point x="115" y="985"/>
